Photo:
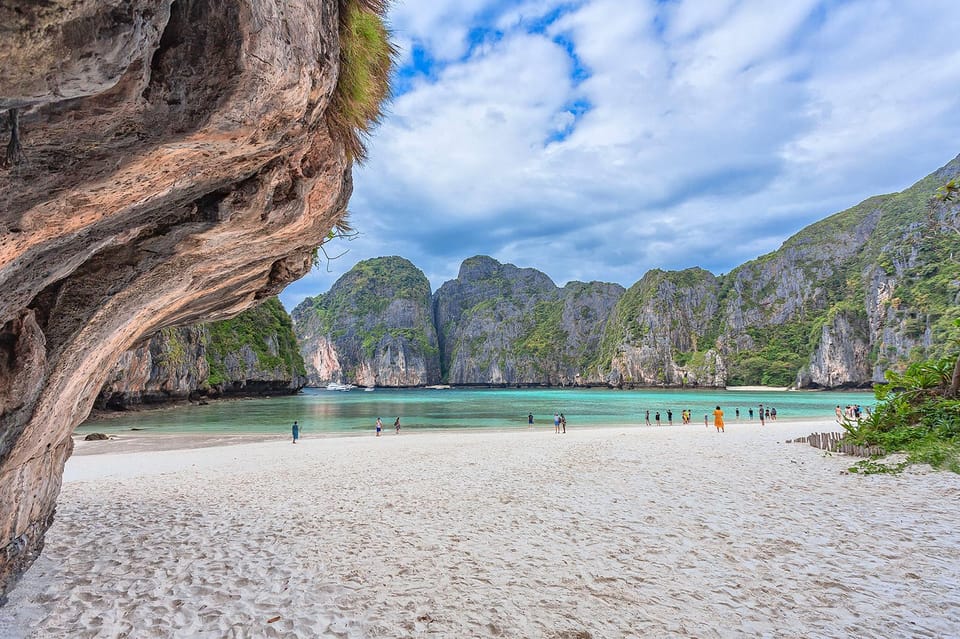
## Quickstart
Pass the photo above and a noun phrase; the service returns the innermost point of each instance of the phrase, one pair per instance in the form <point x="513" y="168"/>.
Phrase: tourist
<point x="563" y="423"/>
<point x="670" y="416"/>
<point x="718" y="419"/>
<point x="396" y="425"/>
<point x="706" y="421"/>
<point x="648" y="418"/>
<point x="296" y="431"/>
<point x="750" y="414"/>
<point x="379" y="426"/>
<point x="530" y="420"/>
<point x="773" y="413"/>
<point x="657" y="418"/>
<point x="839" y="414"/>
<point x="737" y="413"/>
<point x="768" y="413"/>
<point x="761" y="414"/>
<point x="556" y="423"/>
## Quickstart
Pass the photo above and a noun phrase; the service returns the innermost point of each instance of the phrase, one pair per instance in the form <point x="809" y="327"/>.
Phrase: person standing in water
<point x="379" y="426"/>
<point x="556" y="423"/>
<point x="396" y="425"/>
<point x="530" y="420"/>
<point x="718" y="420"/>
<point x="296" y="431"/>
<point x="648" y="418"/>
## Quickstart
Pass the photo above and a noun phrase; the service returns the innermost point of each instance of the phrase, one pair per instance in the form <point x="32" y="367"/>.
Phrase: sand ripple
<point x="605" y="533"/>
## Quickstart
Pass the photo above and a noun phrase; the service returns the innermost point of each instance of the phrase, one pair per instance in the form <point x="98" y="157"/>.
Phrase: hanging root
<point x="14" y="155"/>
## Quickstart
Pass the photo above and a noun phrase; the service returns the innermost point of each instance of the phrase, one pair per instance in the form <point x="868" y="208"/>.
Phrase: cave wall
<point x="177" y="167"/>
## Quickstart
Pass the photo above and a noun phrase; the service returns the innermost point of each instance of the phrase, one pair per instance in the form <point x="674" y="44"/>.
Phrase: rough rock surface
<point x="662" y="316"/>
<point x="373" y="328"/>
<point x="178" y="168"/>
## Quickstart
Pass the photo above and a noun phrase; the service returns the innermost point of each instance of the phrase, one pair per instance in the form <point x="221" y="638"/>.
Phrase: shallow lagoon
<point x="355" y="411"/>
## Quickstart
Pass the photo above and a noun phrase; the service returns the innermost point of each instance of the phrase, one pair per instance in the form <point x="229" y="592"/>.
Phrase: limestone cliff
<point x="500" y="324"/>
<point x="373" y="328"/>
<point x="861" y="292"/>
<point x="254" y="353"/>
<point x="656" y="333"/>
<point x="842" y="301"/>
<point x="178" y="166"/>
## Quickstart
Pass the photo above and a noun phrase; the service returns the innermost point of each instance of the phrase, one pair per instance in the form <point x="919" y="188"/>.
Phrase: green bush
<point x="915" y="414"/>
<point x="366" y="57"/>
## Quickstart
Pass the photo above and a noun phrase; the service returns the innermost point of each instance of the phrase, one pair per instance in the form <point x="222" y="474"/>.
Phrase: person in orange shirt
<point x="718" y="420"/>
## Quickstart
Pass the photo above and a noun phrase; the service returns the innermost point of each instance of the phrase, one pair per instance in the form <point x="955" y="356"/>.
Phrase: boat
<point x="438" y="387"/>
<point x="368" y="389"/>
<point x="336" y="386"/>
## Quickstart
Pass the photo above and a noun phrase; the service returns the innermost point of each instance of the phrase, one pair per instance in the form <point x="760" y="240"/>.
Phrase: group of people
<point x="559" y="422"/>
<point x="851" y="412"/>
<point x="379" y="425"/>
<point x="686" y="416"/>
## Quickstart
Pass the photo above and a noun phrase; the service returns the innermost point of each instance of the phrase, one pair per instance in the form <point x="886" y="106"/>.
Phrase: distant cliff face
<point x="844" y="300"/>
<point x="658" y="328"/>
<point x="373" y="328"/>
<point x="254" y="353"/>
<point x="500" y="324"/>
<point x="861" y="292"/>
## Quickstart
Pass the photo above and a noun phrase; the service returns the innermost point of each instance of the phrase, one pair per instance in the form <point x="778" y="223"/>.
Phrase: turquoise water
<point x="355" y="411"/>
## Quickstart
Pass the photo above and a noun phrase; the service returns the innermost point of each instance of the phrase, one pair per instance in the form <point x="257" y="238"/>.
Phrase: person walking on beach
<point x="396" y="425"/>
<point x="718" y="420"/>
<point x="750" y="413"/>
<point x="839" y="414"/>
<point x="296" y="431"/>
<point x="563" y="423"/>
<point x="648" y="418"/>
<point x="530" y="420"/>
<point x="657" y="418"/>
<point x="738" y="413"/>
<point x="761" y="414"/>
<point x="706" y="420"/>
<point x="379" y="426"/>
<point x="556" y="423"/>
<point x="670" y="416"/>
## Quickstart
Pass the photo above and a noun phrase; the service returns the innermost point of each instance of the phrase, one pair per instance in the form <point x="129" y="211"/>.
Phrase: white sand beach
<point x="613" y="532"/>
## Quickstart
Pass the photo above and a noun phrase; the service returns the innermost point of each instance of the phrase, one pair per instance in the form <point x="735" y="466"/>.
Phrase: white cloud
<point x="714" y="130"/>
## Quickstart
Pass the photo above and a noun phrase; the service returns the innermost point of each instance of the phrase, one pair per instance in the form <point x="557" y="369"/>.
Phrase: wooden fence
<point x="834" y="442"/>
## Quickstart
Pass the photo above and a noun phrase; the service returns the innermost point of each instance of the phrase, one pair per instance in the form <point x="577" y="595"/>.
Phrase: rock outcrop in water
<point x="373" y="328"/>
<point x="254" y="353"/>
<point x="179" y="167"/>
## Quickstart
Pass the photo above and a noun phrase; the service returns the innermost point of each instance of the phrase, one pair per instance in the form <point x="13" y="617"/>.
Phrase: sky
<point x="596" y="140"/>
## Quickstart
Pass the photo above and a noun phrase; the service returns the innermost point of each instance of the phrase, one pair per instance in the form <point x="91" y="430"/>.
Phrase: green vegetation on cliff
<point x="266" y="330"/>
<point x="366" y="56"/>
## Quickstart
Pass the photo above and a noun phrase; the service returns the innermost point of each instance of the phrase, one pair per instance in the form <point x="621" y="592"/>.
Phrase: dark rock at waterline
<point x="92" y="437"/>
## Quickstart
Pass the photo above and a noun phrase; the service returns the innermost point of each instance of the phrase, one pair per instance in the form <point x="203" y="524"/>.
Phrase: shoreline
<point x="145" y="441"/>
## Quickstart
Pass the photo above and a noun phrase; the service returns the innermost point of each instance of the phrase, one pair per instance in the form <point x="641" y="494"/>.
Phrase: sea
<point x="356" y="410"/>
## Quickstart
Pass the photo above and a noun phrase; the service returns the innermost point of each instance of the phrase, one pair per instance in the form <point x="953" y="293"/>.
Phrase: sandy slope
<point x="618" y="532"/>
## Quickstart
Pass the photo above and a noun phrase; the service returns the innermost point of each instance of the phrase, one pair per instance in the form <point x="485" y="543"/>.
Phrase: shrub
<point x="366" y="57"/>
